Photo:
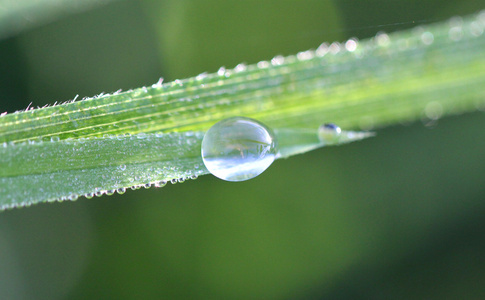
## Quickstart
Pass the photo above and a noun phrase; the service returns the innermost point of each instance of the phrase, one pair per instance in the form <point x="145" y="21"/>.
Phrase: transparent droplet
<point x="121" y="190"/>
<point x="161" y="183"/>
<point x="73" y="197"/>
<point x="328" y="132"/>
<point x="238" y="149"/>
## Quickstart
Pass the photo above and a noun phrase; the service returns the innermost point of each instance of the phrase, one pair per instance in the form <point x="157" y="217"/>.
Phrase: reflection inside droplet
<point x="328" y="132"/>
<point x="238" y="149"/>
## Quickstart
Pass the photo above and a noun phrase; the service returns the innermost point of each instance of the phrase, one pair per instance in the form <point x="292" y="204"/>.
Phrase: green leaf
<point x="80" y="147"/>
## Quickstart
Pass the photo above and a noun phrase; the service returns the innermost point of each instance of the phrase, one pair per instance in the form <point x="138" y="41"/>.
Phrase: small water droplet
<point x="55" y="139"/>
<point x="427" y="38"/>
<point x="121" y="190"/>
<point x="99" y="193"/>
<point x="351" y="45"/>
<point x="328" y="132"/>
<point x="305" y="55"/>
<point x="221" y="71"/>
<point x="89" y="195"/>
<point x="382" y="39"/>
<point x="263" y="64"/>
<point x="122" y="167"/>
<point x="110" y="192"/>
<point x="161" y="183"/>
<point x="173" y="181"/>
<point x="433" y="110"/>
<point x="277" y="60"/>
<point x="334" y="48"/>
<point x="73" y="197"/>
<point x="322" y="49"/>
<point x="240" y="68"/>
<point x="238" y="149"/>
<point x="147" y="185"/>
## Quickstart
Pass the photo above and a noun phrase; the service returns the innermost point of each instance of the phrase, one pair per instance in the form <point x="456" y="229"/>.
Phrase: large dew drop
<point x="238" y="149"/>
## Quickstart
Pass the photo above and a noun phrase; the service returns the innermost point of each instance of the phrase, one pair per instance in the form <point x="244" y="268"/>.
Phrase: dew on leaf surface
<point x="238" y="148"/>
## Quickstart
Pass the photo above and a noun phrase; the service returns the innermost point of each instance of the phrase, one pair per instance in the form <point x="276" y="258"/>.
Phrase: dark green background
<point x="398" y="216"/>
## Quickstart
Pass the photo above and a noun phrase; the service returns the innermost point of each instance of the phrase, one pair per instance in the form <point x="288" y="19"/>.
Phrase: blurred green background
<point x="398" y="216"/>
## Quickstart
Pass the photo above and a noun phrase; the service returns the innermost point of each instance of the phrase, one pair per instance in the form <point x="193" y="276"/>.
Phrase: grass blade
<point x="77" y="148"/>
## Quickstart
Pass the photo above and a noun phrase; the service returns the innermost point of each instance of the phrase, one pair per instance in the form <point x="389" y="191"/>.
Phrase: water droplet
<point x="263" y="64"/>
<point x="382" y="39"/>
<point x="456" y="33"/>
<point x="160" y="183"/>
<point x="322" y="49"/>
<point x="73" y="197"/>
<point x="121" y="190"/>
<point x="433" y="110"/>
<point x="277" y="60"/>
<point x="99" y="193"/>
<point x="110" y="192"/>
<point x="238" y="149"/>
<point x="221" y="71"/>
<point x="89" y="195"/>
<point x="335" y="48"/>
<point x="147" y="185"/>
<point x="427" y="38"/>
<point x="240" y="68"/>
<point x="122" y="167"/>
<point x="328" y="132"/>
<point x="305" y="55"/>
<point x="351" y="45"/>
